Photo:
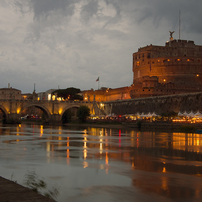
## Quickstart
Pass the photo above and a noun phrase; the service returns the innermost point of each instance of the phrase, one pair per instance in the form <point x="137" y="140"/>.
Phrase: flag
<point x="97" y="79"/>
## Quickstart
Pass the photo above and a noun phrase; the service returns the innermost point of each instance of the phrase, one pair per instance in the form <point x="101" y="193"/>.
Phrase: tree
<point x="82" y="113"/>
<point x="66" y="118"/>
<point x="69" y="94"/>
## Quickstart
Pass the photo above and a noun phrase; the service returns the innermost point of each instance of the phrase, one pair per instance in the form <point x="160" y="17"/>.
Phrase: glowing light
<point x="137" y="63"/>
<point x="60" y="111"/>
<point x="178" y="59"/>
<point x="53" y="97"/>
<point x="85" y="154"/>
<point x="119" y="138"/>
<point x="188" y="60"/>
<point x="107" y="160"/>
<point x="18" y="111"/>
<point x="197" y="75"/>
<point x="38" y="98"/>
<point x="85" y="150"/>
<point x="67" y="147"/>
<point x="164" y="80"/>
<point x="41" y="131"/>
<point x="85" y="164"/>
<point x="168" y="60"/>
<point x="49" y="96"/>
<point x="164" y="170"/>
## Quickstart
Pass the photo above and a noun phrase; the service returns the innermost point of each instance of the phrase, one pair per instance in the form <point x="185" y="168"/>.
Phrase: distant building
<point x="171" y="69"/>
<point x="10" y="93"/>
<point x="45" y="95"/>
<point x="107" y="94"/>
<point x="175" y="68"/>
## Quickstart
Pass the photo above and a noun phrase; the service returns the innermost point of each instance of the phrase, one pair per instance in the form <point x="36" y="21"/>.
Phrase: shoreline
<point x="11" y="191"/>
<point x="146" y="126"/>
<point x="141" y="126"/>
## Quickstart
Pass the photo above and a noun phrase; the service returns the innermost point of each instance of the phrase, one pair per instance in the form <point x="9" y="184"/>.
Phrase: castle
<point x="175" y="68"/>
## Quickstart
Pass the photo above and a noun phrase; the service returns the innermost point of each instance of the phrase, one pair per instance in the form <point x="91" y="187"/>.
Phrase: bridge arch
<point x="4" y="111"/>
<point x="43" y="108"/>
<point x="76" y="106"/>
<point x="69" y="107"/>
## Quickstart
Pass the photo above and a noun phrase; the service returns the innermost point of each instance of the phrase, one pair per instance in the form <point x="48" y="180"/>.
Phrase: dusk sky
<point x="70" y="43"/>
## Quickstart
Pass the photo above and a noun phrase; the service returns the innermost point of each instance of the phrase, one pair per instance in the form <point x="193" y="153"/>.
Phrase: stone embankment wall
<point x="159" y="104"/>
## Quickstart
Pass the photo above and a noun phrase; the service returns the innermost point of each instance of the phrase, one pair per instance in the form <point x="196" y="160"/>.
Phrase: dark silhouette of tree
<point x="82" y="113"/>
<point x="66" y="118"/>
<point x="69" y="94"/>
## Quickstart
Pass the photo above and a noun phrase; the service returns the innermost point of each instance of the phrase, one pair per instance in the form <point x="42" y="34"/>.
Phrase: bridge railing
<point x="45" y="101"/>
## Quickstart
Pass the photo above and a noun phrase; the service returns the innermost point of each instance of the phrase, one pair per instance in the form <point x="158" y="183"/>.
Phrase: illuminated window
<point x="49" y="96"/>
<point x="188" y="60"/>
<point x="164" y="80"/>
<point x="197" y="75"/>
<point x="178" y="59"/>
<point x="158" y="60"/>
<point x="137" y="63"/>
<point x="168" y="60"/>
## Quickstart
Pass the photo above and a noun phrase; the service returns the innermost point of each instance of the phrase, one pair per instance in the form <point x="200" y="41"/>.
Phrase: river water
<point x="101" y="164"/>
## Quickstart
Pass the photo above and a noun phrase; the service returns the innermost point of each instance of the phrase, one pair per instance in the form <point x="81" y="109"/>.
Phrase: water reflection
<point x="154" y="162"/>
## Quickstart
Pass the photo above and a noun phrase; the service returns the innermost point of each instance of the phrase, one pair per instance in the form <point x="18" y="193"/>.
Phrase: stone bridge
<point x="158" y="104"/>
<point x="53" y="110"/>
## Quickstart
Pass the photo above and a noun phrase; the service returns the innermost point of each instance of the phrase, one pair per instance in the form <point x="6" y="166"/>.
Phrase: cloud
<point x="72" y="42"/>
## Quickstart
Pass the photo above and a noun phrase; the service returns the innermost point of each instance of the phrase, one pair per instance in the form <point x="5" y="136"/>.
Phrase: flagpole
<point x="98" y="83"/>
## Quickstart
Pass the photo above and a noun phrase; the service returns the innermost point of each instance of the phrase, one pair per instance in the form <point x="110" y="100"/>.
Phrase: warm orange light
<point x="164" y="80"/>
<point x="164" y="170"/>
<point x="188" y="60"/>
<point x="168" y="60"/>
<point x="178" y="59"/>
<point x="197" y="75"/>
<point x="137" y="63"/>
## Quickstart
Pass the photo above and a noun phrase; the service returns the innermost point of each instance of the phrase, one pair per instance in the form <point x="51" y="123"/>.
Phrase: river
<point x="103" y="164"/>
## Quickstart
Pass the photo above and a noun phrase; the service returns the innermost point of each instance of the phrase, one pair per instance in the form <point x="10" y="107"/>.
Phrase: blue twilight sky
<point x="69" y="43"/>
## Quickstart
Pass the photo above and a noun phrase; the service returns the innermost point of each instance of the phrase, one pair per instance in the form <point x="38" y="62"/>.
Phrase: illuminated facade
<point x="171" y="69"/>
<point x="175" y="68"/>
<point x="46" y="95"/>
<point x="107" y="94"/>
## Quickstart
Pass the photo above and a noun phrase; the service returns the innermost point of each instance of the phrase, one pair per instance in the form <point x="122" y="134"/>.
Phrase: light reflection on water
<point x="96" y="164"/>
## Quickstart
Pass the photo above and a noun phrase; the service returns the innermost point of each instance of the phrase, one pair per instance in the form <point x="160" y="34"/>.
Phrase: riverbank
<point x="146" y="126"/>
<point x="162" y="126"/>
<point x="11" y="191"/>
